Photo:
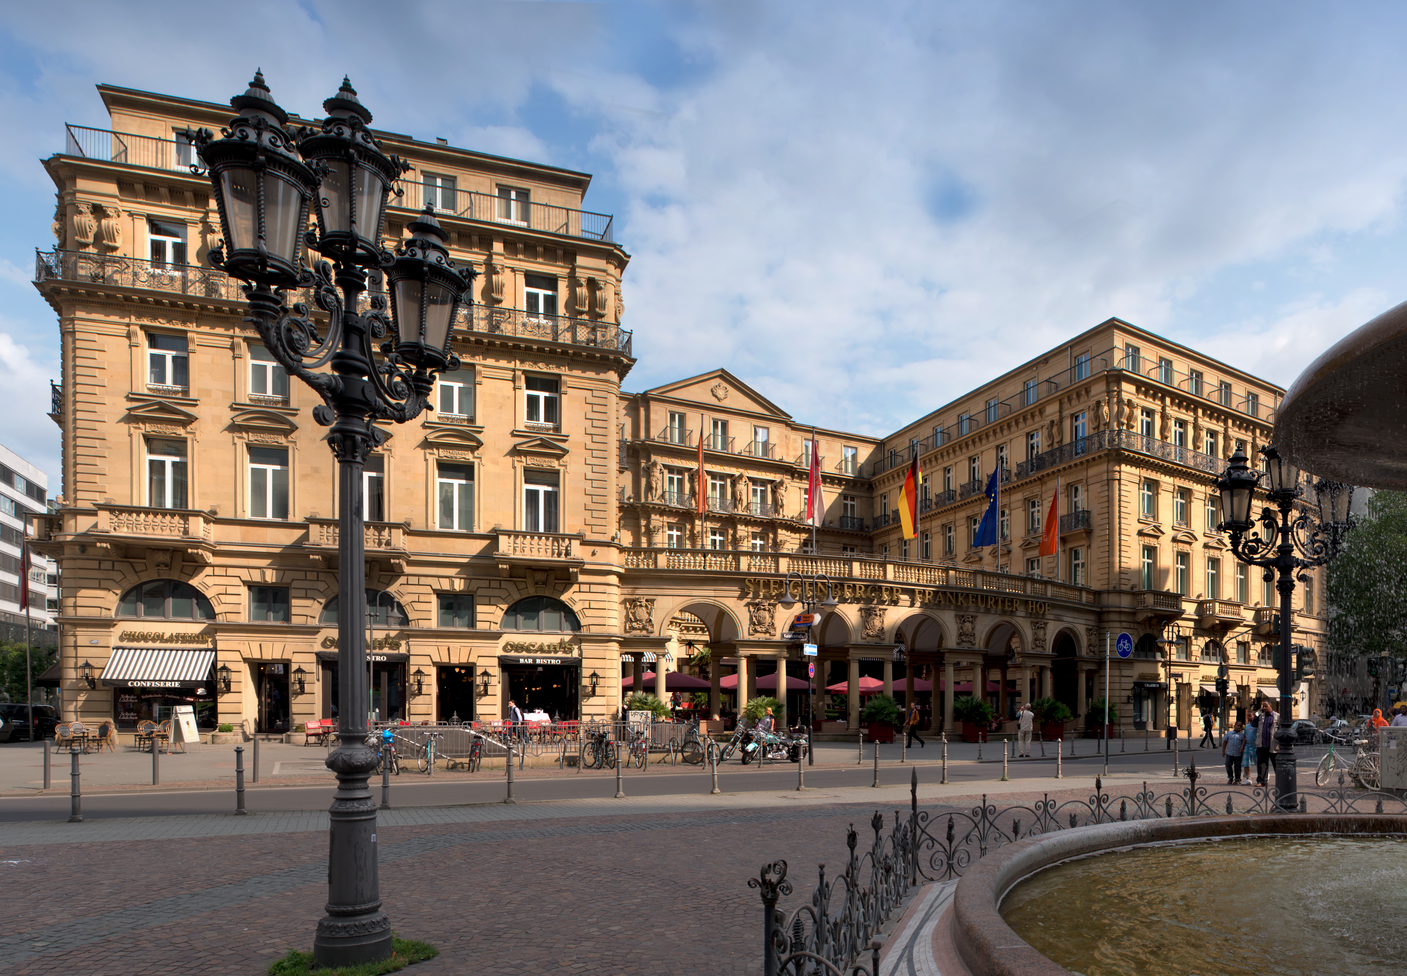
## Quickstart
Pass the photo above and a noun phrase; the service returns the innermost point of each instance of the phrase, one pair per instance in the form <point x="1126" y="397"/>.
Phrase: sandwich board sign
<point x="183" y="728"/>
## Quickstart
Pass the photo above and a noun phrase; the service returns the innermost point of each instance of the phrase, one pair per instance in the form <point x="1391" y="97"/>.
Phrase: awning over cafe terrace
<point x="159" y="667"/>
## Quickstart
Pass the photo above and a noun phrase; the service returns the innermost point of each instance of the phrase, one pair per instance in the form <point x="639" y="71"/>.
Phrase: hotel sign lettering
<point x="759" y="588"/>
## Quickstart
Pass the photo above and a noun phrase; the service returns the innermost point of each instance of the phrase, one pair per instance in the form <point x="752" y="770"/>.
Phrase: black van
<point x="14" y="721"/>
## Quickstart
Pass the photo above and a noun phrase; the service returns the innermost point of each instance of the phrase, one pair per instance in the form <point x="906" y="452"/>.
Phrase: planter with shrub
<point x="881" y="715"/>
<point x="975" y="716"/>
<point x="1052" y="714"/>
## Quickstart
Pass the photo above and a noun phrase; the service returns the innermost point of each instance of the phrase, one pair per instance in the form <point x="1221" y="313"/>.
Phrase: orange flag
<point x="1050" y="538"/>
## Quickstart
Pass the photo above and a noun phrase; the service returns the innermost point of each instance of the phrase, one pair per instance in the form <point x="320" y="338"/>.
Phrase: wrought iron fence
<point x="829" y="932"/>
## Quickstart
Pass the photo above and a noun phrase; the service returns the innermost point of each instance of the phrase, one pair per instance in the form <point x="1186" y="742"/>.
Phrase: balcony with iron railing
<point x="676" y="435"/>
<point x="851" y="523"/>
<point x="760" y="449"/>
<point x="718" y="442"/>
<point x="116" y="271"/>
<point x="1126" y="440"/>
<point x="492" y="209"/>
<point x="131" y="150"/>
<point x="1078" y="521"/>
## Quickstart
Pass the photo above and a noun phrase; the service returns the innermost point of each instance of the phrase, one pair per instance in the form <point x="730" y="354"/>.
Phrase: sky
<point x="864" y="210"/>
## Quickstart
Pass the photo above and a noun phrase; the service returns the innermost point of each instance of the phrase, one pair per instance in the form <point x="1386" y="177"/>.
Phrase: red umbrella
<point x="868" y="686"/>
<point x="673" y="681"/>
<point x="768" y="682"/>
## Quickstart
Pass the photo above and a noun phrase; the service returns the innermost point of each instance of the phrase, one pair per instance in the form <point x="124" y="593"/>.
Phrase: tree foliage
<point x="12" y="669"/>
<point x="1367" y="584"/>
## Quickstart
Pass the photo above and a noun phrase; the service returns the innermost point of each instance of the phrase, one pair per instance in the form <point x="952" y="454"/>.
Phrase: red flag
<point x="1050" y="538"/>
<point x="702" y="483"/>
<point x="908" y="500"/>
<point x="815" y="507"/>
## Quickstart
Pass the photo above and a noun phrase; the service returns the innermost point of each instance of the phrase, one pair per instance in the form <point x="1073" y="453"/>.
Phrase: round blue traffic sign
<point x="1124" y="645"/>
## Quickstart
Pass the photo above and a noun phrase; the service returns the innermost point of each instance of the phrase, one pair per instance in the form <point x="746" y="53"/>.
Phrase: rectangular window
<point x="972" y="524"/>
<point x="1213" y="579"/>
<point x="1179" y="433"/>
<point x="268" y="604"/>
<point x="1240" y="582"/>
<point x="183" y="155"/>
<point x="266" y="377"/>
<point x="717" y="488"/>
<point x="675" y="433"/>
<point x="927" y="549"/>
<point x="541" y="402"/>
<point x="1165" y="371"/>
<point x="1213" y="516"/>
<point x="1033" y="566"/>
<point x="539" y="295"/>
<point x="947" y="540"/>
<point x="757" y="493"/>
<point x="1253" y="404"/>
<point x="940" y="436"/>
<point x="1001" y="458"/>
<point x="1077" y="498"/>
<point x="374" y="488"/>
<point x="540" y="501"/>
<point x="1078" y="430"/>
<point x="884" y="506"/>
<point x="718" y="436"/>
<point x="1133" y="358"/>
<point x="806" y="452"/>
<point x="1148" y="499"/>
<point x="166" y="473"/>
<point x="1082" y="366"/>
<point x="948" y="478"/>
<point x="1145" y="423"/>
<point x="268" y="483"/>
<point x="1210" y="446"/>
<point x="716" y="539"/>
<point x="167" y="361"/>
<point x="168" y="242"/>
<point x="1077" y="566"/>
<point x="847" y="506"/>
<point x="454" y="484"/>
<point x="904" y="550"/>
<point x="1182" y="504"/>
<point x="1223" y="394"/>
<point x="676" y="490"/>
<point x="1147" y="566"/>
<point x="1028" y="393"/>
<point x="1033" y="516"/>
<point x="456" y="394"/>
<point x="513" y="205"/>
<point x="439" y="192"/>
<point x="760" y="447"/>
<point x="1180" y="575"/>
<point x="964" y="423"/>
<point x="1033" y="444"/>
<point x="456" y="610"/>
<point x="850" y="460"/>
<point x="758" y="542"/>
<point x="974" y="468"/>
<point x="992" y="411"/>
<point x="1309" y="595"/>
<point x="1194" y="382"/>
<point x="1184" y="649"/>
<point x="1004" y="524"/>
<point x="674" y="535"/>
<point x="1243" y="652"/>
<point x="1267" y="593"/>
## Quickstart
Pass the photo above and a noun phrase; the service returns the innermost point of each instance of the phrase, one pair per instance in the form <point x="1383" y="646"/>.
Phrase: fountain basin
<point x="989" y="946"/>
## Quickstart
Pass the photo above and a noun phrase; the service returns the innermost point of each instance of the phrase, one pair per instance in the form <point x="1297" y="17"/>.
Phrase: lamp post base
<point x="1286" y="780"/>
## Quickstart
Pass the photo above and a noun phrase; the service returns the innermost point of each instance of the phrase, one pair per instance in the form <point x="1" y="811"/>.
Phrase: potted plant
<point x="224" y="733"/>
<point x="1052" y="714"/>
<point x="974" y="714"/>
<point x="1096" y="717"/>
<point x="647" y="703"/>
<point x="881" y="714"/>
<point x="757" y="707"/>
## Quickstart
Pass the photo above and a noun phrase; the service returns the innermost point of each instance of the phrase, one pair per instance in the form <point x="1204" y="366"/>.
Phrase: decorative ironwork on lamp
<point x="300" y="681"/>
<point x="85" y="671"/>
<point x="484" y="678"/>
<point x="222" y="679"/>
<point x="417" y="687"/>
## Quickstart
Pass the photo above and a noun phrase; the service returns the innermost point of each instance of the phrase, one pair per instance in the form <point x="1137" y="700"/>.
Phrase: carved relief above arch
<point x="449" y="438"/>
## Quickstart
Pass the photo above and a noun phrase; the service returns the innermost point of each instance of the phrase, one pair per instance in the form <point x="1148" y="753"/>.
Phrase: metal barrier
<point x="561" y="742"/>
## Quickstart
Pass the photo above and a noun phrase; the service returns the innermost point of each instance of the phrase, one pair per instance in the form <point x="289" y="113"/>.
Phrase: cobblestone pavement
<point x="538" y="888"/>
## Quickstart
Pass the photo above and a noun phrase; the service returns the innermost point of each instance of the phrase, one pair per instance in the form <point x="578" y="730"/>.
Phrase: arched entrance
<point x="1064" y="671"/>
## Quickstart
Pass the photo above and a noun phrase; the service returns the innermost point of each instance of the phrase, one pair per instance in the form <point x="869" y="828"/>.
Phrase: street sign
<point x="810" y="669"/>
<point x="804" y="620"/>
<point x="809" y="650"/>
<point x="1124" y="645"/>
<point x="796" y="635"/>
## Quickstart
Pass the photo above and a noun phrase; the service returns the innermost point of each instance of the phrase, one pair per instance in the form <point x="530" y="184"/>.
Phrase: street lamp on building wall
<point x="266" y="179"/>
<point x="1283" y="541"/>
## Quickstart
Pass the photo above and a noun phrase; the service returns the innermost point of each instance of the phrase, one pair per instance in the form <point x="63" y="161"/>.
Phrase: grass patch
<point x="404" y="952"/>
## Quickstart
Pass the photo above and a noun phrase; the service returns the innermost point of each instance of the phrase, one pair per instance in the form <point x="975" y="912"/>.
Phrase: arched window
<point x="165" y="599"/>
<point x="382" y="610"/>
<point x="1147" y="647"/>
<point x="540" y="613"/>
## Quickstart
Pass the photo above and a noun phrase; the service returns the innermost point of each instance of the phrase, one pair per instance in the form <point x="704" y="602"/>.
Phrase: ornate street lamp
<point x="85" y="671"/>
<point x="809" y="588"/>
<point x="484" y="678"/>
<point x="222" y="679"/>
<point x="1283" y="541"/>
<point x="300" y="678"/>
<point x="1169" y="642"/>
<point x="265" y="181"/>
<point x="417" y="688"/>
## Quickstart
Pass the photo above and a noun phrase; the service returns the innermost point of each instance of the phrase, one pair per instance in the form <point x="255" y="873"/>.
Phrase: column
<point x="889" y="676"/>
<point x="852" y="693"/>
<point x="745" y="681"/>
<point x="714" y="667"/>
<point x="1001" y="694"/>
<point x="909" y="667"/>
<point x="1081" y="704"/>
<point x="781" y="712"/>
<point x="1024" y="692"/>
<point x="751" y="680"/>
<point x="947" y="693"/>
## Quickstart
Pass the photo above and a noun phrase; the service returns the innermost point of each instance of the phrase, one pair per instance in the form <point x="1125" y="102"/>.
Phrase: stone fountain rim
<point x="990" y="947"/>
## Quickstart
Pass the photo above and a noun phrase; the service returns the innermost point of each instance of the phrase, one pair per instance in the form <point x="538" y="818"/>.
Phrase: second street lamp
<point x="809" y="586"/>
<point x="1283" y="541"/>
<point x="264" y="183"/>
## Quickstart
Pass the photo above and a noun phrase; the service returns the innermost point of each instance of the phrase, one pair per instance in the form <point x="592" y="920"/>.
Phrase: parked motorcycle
<point x="733" y="744"/>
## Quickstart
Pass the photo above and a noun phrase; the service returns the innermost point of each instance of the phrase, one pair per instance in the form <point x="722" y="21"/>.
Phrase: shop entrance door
<point x="388" y="692"/>
<point x="271" y="687"/>
<point x="552" y="688"/>
<point x="454" y="688"/>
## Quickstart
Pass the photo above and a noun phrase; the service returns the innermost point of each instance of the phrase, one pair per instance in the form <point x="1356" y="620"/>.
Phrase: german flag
<point x="908" y="500"/>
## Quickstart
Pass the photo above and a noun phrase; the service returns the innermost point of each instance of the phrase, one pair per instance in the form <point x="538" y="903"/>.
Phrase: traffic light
<point x="1222" y="686"/>
<point x="1372" y="667"/>
<point x="1304" y="662"/>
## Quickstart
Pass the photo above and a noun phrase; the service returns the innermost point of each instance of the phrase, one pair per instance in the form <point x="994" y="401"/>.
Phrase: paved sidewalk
<point x="634" y="886"/>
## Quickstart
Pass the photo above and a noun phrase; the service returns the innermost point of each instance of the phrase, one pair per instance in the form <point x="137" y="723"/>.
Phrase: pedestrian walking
<point x="1025" y="724"/>
<point x="1232" y="745"/>
<point x="515" y="720"/>
<point x="911" y="726"/>
<point x="1208" y="724"/>
<point x="1266" y="744"/>
<point x="1248" y="751"/>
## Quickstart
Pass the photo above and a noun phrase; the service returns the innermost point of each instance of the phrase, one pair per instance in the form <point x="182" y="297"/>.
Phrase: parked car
<point x="1306" y="732"/>
<point x="14" y="721"/>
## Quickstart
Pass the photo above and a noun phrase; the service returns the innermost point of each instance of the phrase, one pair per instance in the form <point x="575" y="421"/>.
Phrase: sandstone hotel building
<point x="536" y="534"/>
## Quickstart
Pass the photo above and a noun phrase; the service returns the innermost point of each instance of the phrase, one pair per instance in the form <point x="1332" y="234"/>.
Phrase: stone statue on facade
<point x="779" y="497"/>
<point x="654" y="480"/>
<point x="740" y="492"/>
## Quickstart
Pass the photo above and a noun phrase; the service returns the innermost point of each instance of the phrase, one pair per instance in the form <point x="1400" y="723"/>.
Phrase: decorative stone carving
<point x="493" y="282"/>
<point x="967" y="630"/>
<point x="1165" y="425"/>
<point x="1015" y="644"/>
<point x="1091" y="636"/>
<point x="779" y="497"/>
<point x="110" y="229"/>
<point x="58" y="226"/>
<point x="84" y="225"/>
<point x="639" y="615"/>
<point x="1038" y="636"/>
<point x="600" y="297"/>
<point x="576" y="294"/>
<point x="654" y="480"/>
<point x="872" y="623"/>
<point x="1101" y="414"/>
<point x="761" y="618"/>
<point x="720" y="391"/>
<point x="740" y="493"/>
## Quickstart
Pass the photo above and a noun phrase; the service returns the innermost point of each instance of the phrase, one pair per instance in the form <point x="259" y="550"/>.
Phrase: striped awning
<point x="158" y="667"/>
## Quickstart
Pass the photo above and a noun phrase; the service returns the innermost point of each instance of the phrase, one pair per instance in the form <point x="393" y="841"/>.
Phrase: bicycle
<point x="386" y="751"/>
<point x="1362" y="769"/>
<point x="597" y="751"/>
<point x="638" y="750"/>
<point x="698" y="749"/>
<point x="425" y="754"/>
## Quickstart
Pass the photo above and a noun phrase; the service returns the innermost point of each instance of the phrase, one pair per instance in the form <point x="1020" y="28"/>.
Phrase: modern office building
<point x="539" y="533"/>
<point x="23" y="495"/>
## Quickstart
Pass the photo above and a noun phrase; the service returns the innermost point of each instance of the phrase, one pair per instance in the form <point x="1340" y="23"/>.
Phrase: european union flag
<point x="987" y="530"/>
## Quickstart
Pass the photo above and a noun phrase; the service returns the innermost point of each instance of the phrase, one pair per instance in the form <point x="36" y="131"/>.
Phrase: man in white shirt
<point x="1401" y="717"/>
<point x="1025" y="723"/>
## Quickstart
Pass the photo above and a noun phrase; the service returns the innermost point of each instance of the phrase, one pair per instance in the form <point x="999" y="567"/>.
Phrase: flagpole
<point x="25" y="596"/>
